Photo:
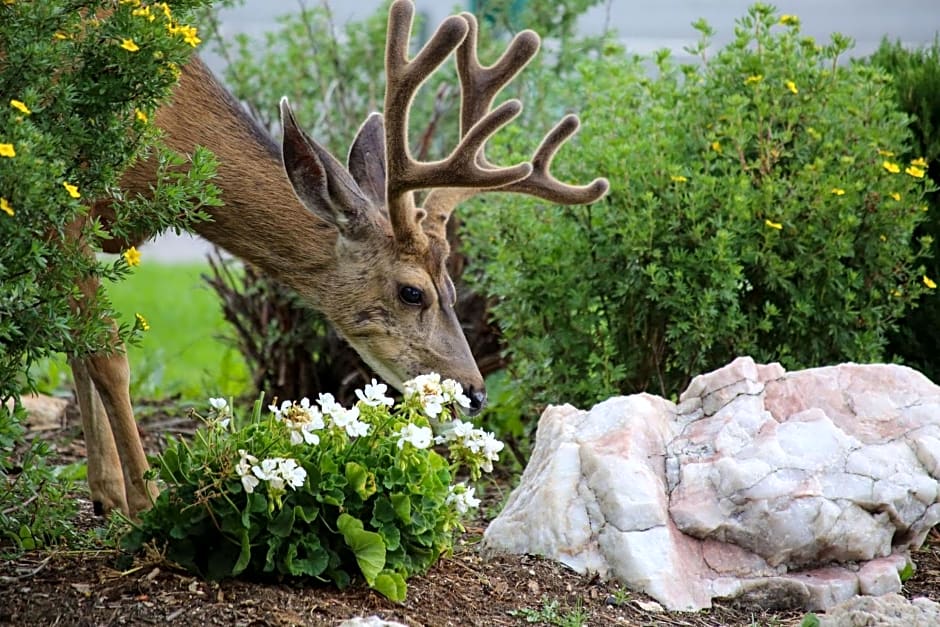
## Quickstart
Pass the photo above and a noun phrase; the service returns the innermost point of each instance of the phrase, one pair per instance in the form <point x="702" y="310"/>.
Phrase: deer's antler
<point x="462" y="168"/>
<point x="479" y="85"/>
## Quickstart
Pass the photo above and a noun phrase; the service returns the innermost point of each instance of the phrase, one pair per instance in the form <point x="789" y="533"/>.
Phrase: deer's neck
<point x="261" y="220"/>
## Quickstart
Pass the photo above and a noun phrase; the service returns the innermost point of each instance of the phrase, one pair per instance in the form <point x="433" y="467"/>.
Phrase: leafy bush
<point x="916" y="78"/>
<point x="80" y="82"/>
<point x="757" y="207"/>
<point x="320" y="491"/>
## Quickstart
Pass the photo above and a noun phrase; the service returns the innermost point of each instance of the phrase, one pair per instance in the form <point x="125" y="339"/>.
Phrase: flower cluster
<point x="302" y="420"/>
<point x="433" y="394"/>
<point x="461" y="497"/>
<point x="477" y="447"/>
<point x="278" y="472"/>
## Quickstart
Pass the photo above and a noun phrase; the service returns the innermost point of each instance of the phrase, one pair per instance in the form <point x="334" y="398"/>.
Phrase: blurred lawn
<point x="182" y="353"/>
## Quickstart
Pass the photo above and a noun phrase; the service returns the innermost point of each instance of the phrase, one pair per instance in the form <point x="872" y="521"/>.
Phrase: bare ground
<point x="104" y="587"/>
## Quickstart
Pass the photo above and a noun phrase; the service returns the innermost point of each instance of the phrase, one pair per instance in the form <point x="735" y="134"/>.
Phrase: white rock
<point x="890" y="610"/>
<point x="801" y="489"/>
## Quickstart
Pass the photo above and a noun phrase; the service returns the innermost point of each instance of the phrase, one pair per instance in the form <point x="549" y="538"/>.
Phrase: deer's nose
<point x="477" y="399"/>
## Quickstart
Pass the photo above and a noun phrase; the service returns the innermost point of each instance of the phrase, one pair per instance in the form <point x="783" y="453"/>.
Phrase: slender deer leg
<point x="111" y="377"/>
<point x="105" y="477"/>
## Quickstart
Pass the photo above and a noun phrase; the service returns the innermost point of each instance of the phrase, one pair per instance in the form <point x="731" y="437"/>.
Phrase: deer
<point x="350" y="240"/>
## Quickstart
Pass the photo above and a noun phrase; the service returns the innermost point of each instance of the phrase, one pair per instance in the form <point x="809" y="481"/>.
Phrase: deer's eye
<point x="411" y="295"/>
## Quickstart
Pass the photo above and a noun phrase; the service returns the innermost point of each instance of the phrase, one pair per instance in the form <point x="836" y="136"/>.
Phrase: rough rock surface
<point x="798" y="489"/>
<point x="890" y="610"/>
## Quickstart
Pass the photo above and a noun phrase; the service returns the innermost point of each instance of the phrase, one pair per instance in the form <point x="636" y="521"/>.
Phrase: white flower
<point x="418" y="437"/>
<point x="301" y="420"/>
<point x="219" y="404"/>
<point x="328" y="404"/>
<point x="357" y="428"/>
<point x="454" y="430"/>
<point x="243" y="469"/>
<point x="280" y="472"/>
<point x="374" y="394"/>
<point x="453" y="393"/>
<point x="430" y="393"/>
<point x="291" y="472"/>
<point x="461" y="497"/>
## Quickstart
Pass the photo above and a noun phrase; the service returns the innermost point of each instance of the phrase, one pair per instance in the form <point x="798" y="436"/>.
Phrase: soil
<point x="104" y="587"/>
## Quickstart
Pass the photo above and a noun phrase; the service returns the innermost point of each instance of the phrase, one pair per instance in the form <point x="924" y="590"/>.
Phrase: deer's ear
<point x="320" y="181"/>
<point x="366" y="160"/>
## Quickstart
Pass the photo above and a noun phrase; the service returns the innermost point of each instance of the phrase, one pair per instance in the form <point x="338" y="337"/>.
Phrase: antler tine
<point x="403" y="79"/>
<point x="479" y="86"/>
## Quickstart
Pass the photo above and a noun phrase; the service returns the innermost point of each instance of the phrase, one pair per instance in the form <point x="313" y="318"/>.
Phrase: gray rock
<point x="890" y="610"/>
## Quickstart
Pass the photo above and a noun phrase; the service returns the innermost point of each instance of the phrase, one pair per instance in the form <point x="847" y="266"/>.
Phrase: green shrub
<point x="916" y="78"/>
<point x="79" y="83"/>
<point x="757" y="208"/>
<point x="320" y="491"/>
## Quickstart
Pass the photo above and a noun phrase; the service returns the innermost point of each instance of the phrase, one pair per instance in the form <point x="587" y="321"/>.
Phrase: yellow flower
<point x="72" y="190"/>
<point x="132" y="256"/>
<point x="140" y="115"/>
<point x="895" y="195"/>
<point x="789" y="20"/>
<point x="792" y="87"/>
<point x="5" y="207"/>
<point x="189" y="34"/>
<point x="128" y="44"/>
<point x="134" y="2"/>
<point x="716" y="146"/>
<point x="883" y="238"/>
<point x="756" y="78"/>
<point x="19" y="106"/>
<point x="142" y="322"/>
<point x="896" y="293"/>
<point x="144" y="12"/>
<point x="60" y="35"/>
<point x="930" y="284"/>
<point x="814" y="133"/>
<point x="885" y="153"/>
<point x="166" y="9"/>
<point x="891" y="167"/>
<point x="917" y="173"/>
<point x="773" y="225"/>
<point x="6" y="150"/>
<point x="919" y="162"/>
<point x="838" y="191"/>
<point x="678" y="179"/>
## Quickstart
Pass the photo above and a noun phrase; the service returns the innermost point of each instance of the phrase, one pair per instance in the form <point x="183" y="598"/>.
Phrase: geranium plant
<point x="321" y="490"/>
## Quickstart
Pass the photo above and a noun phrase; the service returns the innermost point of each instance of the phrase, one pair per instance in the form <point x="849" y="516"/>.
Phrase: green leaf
<point x="244" y="556"/>
<point x="402" y="505"/>
<point x="360" y="480"/>
<point x="283" y="523"/>
<point x="907" y="572"/>
<point x="810" y="620"/>
<point x="367" y="546"/>
<point x="391" y="585"/>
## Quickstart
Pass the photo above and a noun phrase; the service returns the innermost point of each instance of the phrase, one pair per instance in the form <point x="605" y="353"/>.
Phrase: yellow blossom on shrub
<point x="891" y="167"/>
<point x="716" y="146"/>
<point x="789" y="20"/>
<point x="6" y="150"/>
<point x="919" y="162"/>
<point x="916" y="172"/>
<point x="5" y="207"/>
<point x="128" y="44"/>
<point x="72" y="190"/>
<point x="773" y="225"/>
<point x="792" y="87"/>
<point x="838" y="191"/>
<point x="929" y="283"/>
<point x="142" y="322"/>
<point x="140" y="115"/>
<point x="678" y="178"/>
<point x="885" y="153"/>
<point x="132" y="256"/>
<point x="19" y="106"/>
<point x="756" y="78"/>
<point x="144" y="12"/>
<point x="895" y="195"/>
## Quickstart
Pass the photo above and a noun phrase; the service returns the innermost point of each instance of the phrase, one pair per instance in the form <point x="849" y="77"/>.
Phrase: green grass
<point x="182" y="354"/>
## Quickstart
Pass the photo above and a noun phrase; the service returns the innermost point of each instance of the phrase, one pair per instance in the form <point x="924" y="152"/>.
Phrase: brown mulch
<point x="98" y="588"/>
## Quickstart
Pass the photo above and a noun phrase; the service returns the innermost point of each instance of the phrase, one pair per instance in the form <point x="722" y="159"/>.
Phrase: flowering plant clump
<point x="321" y="490"/>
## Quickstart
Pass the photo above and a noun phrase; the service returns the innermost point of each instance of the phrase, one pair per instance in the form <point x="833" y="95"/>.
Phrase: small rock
<point x="890" y="610"/>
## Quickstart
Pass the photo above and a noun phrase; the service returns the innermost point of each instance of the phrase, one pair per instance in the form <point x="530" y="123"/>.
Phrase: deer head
<point x="389" y="293"/>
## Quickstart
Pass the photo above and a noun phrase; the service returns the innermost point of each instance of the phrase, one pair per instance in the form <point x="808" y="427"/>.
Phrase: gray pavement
<point x="643" y="26"/>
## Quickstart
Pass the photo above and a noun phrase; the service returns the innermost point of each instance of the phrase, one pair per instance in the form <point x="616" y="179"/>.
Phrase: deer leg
<point x="105" y="477"/>
<point x="110" y="374"/>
